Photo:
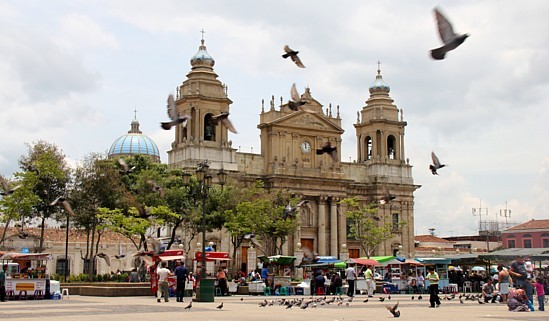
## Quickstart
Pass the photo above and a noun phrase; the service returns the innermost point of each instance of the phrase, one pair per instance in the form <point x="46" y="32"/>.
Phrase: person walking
<point x="433" y="278"/>
<point x="504" y="281"/>
<point x="351" y="278"/>
<point x="163" y="273"/>
<point x="182" y="273"/>
<point x="370" y="281"/>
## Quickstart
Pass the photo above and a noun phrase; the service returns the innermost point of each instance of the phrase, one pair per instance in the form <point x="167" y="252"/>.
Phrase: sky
<point x="73" y="72"/>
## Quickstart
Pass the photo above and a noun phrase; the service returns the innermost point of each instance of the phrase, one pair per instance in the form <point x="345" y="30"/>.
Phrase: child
<point x="540" y="292"/>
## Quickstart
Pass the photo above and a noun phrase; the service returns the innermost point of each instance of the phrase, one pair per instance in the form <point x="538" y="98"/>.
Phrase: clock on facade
<point x="305" y="147"/>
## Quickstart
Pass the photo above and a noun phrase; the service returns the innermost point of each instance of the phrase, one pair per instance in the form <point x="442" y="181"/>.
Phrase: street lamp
<point x="205" y="182"/>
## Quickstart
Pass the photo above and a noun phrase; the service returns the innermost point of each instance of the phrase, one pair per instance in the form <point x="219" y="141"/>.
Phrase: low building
<point x="531" y="234"/>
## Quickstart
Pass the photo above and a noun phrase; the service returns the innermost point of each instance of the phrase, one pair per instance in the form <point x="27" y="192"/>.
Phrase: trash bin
<point x="205" y="291"/>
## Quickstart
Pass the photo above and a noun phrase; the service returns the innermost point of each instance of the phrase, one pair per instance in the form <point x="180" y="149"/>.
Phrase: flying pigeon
<point x="61" y="200"/>
<point x="104" y="257"/>
<point x="220" y="306"/>
<point x="188" y="307"/>
<point x="174" y="116"/>
<point x="387" y="196"/>
<point x="436" y="164"/>
<point x="5" y="188"/>
<point x="450" y="39"/>
<point x="289" y="210"/>
<point x="296" y="103"/>
<point x="120" y="254"/>
<point x="224" y="119"/>
<point x="125" y="167"/>
<point x="394" y="310"/>
<point x="328" y="149"/>
<point x="156" y="246"/>
<point x="248" y="236"/>
<point x="293" y="55"/>
<point x="156" y="187"/>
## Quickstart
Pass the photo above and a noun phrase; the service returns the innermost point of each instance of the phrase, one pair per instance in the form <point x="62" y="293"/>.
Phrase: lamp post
<point x="204" y="183"/>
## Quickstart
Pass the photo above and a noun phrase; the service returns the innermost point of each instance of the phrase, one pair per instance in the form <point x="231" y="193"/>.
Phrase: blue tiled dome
<point x="202" y="57"/>
<point x="134" y="143"/>
<point x="379" y="84"/>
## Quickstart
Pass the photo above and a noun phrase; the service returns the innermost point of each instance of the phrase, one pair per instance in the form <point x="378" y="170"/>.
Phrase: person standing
<point x="351" y="278"/>
<point x="222" y="281"/>
<point x="520" y="277"/>
<point x="433" y="278"/>
<point x="540" y="293"/>
<point x="163" y="273"/>
<point x="182" y="273"/>
<point x="3" y="283"/>
<point x="420" y="283"/>
<point x="504" y="281"/>
<point x="370" y="281"/>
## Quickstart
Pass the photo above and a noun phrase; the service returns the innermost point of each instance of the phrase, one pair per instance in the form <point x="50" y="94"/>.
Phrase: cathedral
<point x="288" y="160"/>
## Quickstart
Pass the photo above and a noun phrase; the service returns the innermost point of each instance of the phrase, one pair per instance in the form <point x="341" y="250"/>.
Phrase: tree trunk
<point x="5" y="231"/>
<point x="42" y="226"/>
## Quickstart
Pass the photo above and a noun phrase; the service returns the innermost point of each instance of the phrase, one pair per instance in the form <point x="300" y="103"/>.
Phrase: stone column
<point x="321" y="240"/>
<point x="333" y="226"/>
<point x="298" y="253"/>
<point x="342" y="231"/>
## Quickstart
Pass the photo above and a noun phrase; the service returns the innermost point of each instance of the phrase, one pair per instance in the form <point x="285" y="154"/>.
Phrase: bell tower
<point x="202" y="96"/>
<point x="380" y="132"/>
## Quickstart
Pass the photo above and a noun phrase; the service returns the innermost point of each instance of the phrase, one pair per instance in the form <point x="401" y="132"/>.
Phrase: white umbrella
<point x="478" y="268"/>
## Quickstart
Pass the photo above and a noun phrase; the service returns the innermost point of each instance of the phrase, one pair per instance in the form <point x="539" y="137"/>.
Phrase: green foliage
<point x="366" y="226"/>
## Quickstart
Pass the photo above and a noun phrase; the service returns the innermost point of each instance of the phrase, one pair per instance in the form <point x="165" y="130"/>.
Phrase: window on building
<point x="396" y="222"/>
<point x="545" y="243"/>
<point x="369" y="147"/>
<point x="527" y="243"/>
<point x="60" y="267"/>
<point x="511" y="244"/>
<point x="391" y="148"/>
<point x="209" y="128"/>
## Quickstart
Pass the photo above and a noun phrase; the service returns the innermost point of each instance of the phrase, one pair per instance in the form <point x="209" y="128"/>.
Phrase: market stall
<point x="29" y="276"/>
<point x="170" y="256"/>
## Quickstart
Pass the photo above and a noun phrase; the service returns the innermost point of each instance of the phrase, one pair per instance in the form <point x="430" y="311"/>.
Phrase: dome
<point x="202" y="57"/>
<point x="134" y="143"/>
<point x="379" y="85"/>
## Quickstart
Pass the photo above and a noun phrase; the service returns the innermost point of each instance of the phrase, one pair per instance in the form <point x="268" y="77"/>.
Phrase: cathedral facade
<point x="288" y="160"/>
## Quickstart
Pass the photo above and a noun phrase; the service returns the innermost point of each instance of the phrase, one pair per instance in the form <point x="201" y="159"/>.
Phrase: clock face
<point x="305" y="147"/>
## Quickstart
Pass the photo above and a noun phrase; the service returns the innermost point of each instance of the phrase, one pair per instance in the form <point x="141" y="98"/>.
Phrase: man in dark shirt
<point x="319" y="283"/>
<point x="182" y="273"/>
<point x="519" y="275"/>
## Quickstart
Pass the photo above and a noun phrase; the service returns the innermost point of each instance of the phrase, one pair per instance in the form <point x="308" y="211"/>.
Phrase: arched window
<point x="369" y="147"/>
<point x="209" y="128"/>
<point x="184" y="134"/>
<point x="391" y="148"/>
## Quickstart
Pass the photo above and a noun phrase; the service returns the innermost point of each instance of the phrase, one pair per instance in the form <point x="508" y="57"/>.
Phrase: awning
<point x="535" y="254"/>
<point x="363" y="261"/>
<point x="433" y="260"/>
<point x="26" y="256"/>
<point x="213" y="256"/>
<point x="382" y="259"/>
<point x="328" y="259"/>
<point x="278" y="259"/>
<point x="172" y="258"/>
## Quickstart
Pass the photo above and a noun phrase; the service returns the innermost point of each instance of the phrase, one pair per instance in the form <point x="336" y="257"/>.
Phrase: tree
<point x="17" y="206"/>
<point x="95" y="184"/>
<point x="366" y="227"/>
<point x="262" y="213"/>
<point x="47" y="169"/>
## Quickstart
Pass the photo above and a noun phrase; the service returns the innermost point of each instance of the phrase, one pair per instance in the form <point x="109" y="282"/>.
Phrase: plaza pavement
<point x="244" y="308"/>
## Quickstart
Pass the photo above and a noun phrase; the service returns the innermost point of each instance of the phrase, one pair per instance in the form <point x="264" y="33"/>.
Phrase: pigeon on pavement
<point x="394" y="310"/>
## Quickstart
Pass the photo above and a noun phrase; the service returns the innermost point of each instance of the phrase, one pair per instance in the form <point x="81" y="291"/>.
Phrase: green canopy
<point x="278" y="259"/>
<point x="381" y="259"/>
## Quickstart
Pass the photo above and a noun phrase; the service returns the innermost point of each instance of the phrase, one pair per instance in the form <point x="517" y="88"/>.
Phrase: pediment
<point x="305" y="120"/>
